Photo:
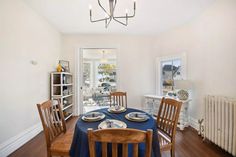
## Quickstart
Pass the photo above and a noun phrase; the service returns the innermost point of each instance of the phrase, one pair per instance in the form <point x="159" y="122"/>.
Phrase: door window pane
<point x="87" y="74"/>
<point x="106" y="76"/>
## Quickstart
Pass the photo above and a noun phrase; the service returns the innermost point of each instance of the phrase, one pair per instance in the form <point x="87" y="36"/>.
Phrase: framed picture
<point x="65" y="65"/>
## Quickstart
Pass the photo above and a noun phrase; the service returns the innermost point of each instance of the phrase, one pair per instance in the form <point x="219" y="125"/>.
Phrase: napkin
<point x="109" y="124"/>
<point x="92" y="115"/>
<point x="112" y="124"/>
<point x="117" y="107"/>
<point x="137" y="115"/>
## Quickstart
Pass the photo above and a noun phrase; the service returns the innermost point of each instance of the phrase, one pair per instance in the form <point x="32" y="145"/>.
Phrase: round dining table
<point x="80" y="148"/>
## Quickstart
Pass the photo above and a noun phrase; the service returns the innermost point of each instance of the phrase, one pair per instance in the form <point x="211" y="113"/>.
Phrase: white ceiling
<point x="152" y="16"/>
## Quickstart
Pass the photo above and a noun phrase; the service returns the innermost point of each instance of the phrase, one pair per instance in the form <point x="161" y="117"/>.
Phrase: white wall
<point x="24" y="36"/>
<point x="210" y="44"/>
<point x="135" y="63"/>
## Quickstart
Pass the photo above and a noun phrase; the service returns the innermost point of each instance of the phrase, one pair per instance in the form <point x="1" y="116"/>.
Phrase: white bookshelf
<point x="62" y="89"/>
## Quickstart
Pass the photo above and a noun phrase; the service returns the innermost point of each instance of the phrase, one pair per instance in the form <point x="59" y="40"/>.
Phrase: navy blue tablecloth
<point x="79" y="146"/>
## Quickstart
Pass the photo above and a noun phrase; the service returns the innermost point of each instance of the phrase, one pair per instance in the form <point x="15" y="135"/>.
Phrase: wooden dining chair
<point x="167" y="120"/>
<point x="58" y="140"/>
<point x="119" y="136"/>
<point x="118" y="98"/>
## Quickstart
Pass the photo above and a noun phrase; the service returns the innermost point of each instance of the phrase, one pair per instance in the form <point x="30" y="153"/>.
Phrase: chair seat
<point x="165" y="142"/>
<point x="61" y="145"/>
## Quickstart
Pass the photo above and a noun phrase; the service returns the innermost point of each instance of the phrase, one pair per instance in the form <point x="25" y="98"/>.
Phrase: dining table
<point x="80" y="147"/>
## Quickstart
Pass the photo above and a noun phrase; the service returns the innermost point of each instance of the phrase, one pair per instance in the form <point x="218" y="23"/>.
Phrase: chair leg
<point x="49" y="154"/>
<point x="172" y="152"/>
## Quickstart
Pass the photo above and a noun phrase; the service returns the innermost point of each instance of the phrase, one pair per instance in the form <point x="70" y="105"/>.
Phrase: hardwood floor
<point x="188" y="144"/>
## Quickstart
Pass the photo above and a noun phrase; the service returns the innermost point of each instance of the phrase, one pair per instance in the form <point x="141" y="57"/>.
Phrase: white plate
<point x="140" y="118"/>
<point x="93" y="118"/>
<point x="115" y="124"/>
<point x="113" y="109"/>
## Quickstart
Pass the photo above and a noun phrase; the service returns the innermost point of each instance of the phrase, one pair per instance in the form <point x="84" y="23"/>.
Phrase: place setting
<point x="137" y="116"/>
<point x="116" y="109"/>
<point x="112" y="123"/>
<point x="93" y="116"/>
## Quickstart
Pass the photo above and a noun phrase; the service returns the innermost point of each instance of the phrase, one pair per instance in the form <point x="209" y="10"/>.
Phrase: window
<point x="169" y="69"/>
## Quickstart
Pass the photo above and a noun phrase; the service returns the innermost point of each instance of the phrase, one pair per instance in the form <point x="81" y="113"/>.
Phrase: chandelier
<point x="109" y="15"/>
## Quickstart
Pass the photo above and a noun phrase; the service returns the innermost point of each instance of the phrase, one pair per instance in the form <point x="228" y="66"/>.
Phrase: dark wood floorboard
<point x="188" y="144"/>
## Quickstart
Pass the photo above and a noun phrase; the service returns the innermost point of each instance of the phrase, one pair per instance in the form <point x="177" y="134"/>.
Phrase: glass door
<point x="99" y="77"/>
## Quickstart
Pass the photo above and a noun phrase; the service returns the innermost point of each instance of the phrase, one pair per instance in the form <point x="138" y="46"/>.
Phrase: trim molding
<point x="193" y="123"/>
<point x="15" y="142"/>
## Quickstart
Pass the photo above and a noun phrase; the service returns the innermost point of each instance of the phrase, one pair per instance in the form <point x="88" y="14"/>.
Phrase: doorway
<point x="99" y="77"/>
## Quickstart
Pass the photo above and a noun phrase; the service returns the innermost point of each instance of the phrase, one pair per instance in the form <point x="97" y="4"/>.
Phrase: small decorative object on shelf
<point x="65" y="65"/>
<point x="182" y="87"/>
<point x="171" y="94"/>
<point x="62" y="89"/>
<point x="65" y="102"/>
<point x="59" y="68"/>
<point x="182" y="94"/>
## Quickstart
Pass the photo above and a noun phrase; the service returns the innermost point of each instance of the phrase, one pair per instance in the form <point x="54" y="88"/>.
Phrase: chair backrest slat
<point x="118" y="98"/>
<point x="56" y="120"/>
<point x="168" y="115"/>
<point x="125" y="150"/>
<point x="169" y="118"/>
<point x="52" y="120"/>
<point x="119" y="136"/>
<point x="114" y="150"/>
<point x="52" y="124"/>
<point x="104" y="149"/>
<point x="135" y="150"/>
<point x="47" y="119"/>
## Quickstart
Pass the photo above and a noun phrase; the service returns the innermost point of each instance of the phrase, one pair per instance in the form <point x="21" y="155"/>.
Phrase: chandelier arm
<point x="107" y="23"/>
<point x="123" y="17"/>
<point x="128" y="16"/>
<point x="125" y="24"/>
<point x="99" y="3"/>
<point x="98" y="20"/>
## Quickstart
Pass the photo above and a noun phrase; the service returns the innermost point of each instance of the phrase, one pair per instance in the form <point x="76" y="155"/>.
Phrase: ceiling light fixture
<point x="110" y="15"/>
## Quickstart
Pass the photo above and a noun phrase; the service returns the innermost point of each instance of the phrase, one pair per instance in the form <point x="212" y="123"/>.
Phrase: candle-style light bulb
<point x="134" y="4"/>
<point x="90" y="10"/>
<point x="126" y="11"/>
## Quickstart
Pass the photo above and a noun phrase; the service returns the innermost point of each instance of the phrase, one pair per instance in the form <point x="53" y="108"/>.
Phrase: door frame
<point x="78" y="76"/>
